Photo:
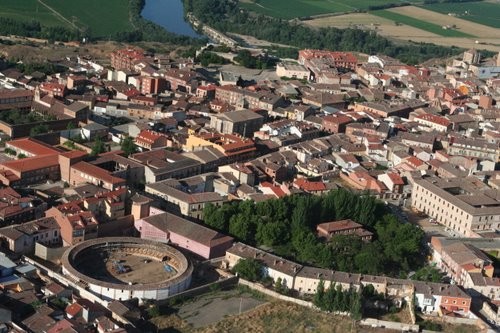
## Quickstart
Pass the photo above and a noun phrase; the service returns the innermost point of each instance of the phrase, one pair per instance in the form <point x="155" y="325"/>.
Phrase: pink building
<point x="165" y="227"/>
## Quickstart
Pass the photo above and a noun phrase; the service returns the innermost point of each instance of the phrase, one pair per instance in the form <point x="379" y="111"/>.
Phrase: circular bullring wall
<point x="121" y="268"/>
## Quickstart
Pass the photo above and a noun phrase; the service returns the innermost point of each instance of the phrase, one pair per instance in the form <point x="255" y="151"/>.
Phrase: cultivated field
<point x="28" y="10"/>
<point x="289" y="9"/>
<point x="91" y="13"/>
<point x="462" y="25"/>
<point x="103" y="22"/>
<point x="487" y="13"/>
<point x="418" y="23"/>
<point x="490" y="37"/>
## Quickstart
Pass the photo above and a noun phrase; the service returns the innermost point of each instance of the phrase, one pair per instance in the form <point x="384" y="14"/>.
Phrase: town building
<point x="150" y="140"/>
<point x="242" y="122"/>
<point x="343" y="227"/>
<point x="200" y="240"/>
<point x="190" y="204"/>
<point x="126" y="59"/>
<point x="21" y="238"/>
<point x="465" y="205"/>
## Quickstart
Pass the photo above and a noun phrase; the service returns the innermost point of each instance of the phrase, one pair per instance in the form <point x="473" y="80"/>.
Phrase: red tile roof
<point x="73" y="309"/>
<point x="395" y="178"/>
<point x="31" y="163"/>
<point x="149" y="137"/>
<point x="33" y="146"/>
<point x="330" y="227"/>
<point x="309" y="186"/>
<point x="435" y="119"/>
<point x="413" y="161"/>
<point x="97" y="172"/>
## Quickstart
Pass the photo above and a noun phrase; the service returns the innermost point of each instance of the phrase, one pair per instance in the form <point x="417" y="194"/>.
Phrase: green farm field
<point x="487" y="13"/>
<point x="28" y="10"/>
<point x="416" y="23"/>
<point x="289" y="9"/>
<point x="103" y="20"/>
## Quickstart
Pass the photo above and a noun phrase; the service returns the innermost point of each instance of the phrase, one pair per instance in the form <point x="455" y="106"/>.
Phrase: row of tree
<point x="9" y="26"/>
<point x="335" y="299"/>
<point x="226" y="15"/>
<point x="288" y="226"/>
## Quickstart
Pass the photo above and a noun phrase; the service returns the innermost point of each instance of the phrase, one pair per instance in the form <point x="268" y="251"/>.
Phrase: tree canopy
<point x="249" y="269"/>
<point x="226" y="15"/>
<point x="128" y="146"/>
<point x="288" y="226"/>
<point x="98" y="147"/>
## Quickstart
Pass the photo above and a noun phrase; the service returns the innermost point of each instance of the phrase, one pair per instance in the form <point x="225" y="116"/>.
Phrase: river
<point x="170" y="15"/>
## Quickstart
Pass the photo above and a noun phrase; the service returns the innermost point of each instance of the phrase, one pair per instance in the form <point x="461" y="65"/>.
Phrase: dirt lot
<point x="99" y="51"/>
<point x="207" y="309"/>
<point x="489" y="36"/>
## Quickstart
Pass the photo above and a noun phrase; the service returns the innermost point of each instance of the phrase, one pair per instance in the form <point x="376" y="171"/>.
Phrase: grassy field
<point x="91" y="13"/>
<point x="423" y="25"/>
<point x="28" y="10"/>
<point x="486" y="13"/>
<point x="289" y="9"/>
<point x="103" y="20"/>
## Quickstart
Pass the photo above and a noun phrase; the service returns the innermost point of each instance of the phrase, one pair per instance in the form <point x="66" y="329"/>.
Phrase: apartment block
<point x="465" y="205"/>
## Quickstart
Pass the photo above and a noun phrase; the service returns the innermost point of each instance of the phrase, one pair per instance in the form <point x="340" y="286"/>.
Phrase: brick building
<point x="125" y="59"/>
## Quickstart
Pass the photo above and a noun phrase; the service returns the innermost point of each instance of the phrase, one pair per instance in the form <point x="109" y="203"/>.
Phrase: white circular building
<point x="121" y="268"/>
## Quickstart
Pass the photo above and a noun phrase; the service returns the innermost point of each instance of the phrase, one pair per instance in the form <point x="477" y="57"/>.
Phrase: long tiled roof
<point x="193" y="231"/>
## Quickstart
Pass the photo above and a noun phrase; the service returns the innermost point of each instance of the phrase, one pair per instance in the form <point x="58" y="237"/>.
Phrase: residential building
<point x="18" y="99"/>
<point x="21" y="238"/>
<point x="430" y="298"/>
<point x="233" y="147"/>
<point x="335" y="123"/>
<point x="478" y="148"/>
<point x="433" y="122"/>
<point x="458" y="259"/>
<point x="126" y="59"/>
<point x="76" y="224"/>
<point x="392" y="181"/>
<point x="340" y="59"/>
<point x="151" y="140"/>
<point x="15" y="209"/>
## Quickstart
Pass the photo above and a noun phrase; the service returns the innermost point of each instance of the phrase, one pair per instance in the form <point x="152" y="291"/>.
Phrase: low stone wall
<point x="265" y="291"/>
<point x="390" y="325"/>
<point x="220" y="284"/>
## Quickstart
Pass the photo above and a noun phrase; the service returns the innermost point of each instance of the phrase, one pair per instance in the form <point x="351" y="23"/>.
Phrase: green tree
<point x="39" y="129"/>
<point x="98" y="147"/>
<point x="128" y="146"/>
<point x="429" y="274"/>
<point x="249" y="269"/>
<point x="241" y="227"/>
<point x="319" y="296"/>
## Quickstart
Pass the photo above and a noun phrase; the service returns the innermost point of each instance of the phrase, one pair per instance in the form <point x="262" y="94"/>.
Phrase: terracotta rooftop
<point x="31" y="163"/>
<point x="33" y="146"/>
<point x="334" y="226"/>
<point x="97" y="172"/>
